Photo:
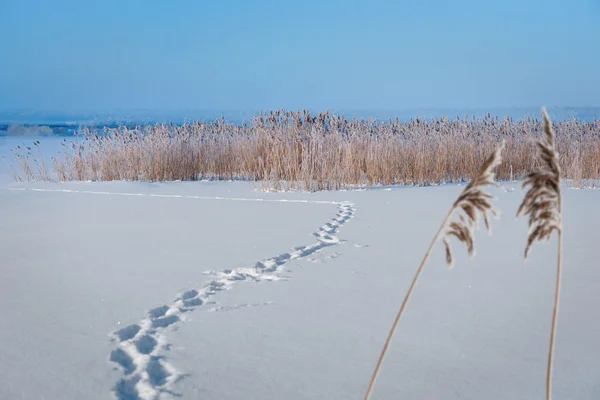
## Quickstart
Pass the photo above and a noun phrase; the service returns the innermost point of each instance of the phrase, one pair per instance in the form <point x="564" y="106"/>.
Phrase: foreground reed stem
<point x="543" y="204"/>
<point x="472" y="202"/>
<point x="554" y="319"/>
<point x="403" y="306"/>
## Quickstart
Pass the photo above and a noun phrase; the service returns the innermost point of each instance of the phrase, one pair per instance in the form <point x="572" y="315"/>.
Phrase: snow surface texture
<point x="89" y="251"/>
<point x="90" y="274"/>
<point x="147" y="372"/>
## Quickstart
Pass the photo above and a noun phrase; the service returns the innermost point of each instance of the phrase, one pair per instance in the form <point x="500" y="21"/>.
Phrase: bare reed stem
<point x="554" y="319"/>
<point x="471" y="201"/>
<point x="403" y="306"/>
<point x="543" y="204"/>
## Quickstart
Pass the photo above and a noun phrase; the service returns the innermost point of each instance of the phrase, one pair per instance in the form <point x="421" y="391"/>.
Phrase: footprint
<point x="217" y="286"/>
<point x="128" y="332"/>
<point x="165" y="321"/>
<point x="156" y="372"/>
<point x="158" y="312"/>
<point x="189" y="294"/>
<point x="282" y="259"/>
<point x="146" y="344"/>
<point x="124" y="360"/>
<point x="125" y="389"/>
<point x="195" y="302"/>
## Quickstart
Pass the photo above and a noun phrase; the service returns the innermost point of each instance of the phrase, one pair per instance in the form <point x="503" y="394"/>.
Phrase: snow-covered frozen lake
<point x="105" y="293"/>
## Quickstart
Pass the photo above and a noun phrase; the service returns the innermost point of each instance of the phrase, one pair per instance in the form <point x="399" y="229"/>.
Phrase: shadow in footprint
<point x="189" y="294"/>
<point x="315" y="248"/>
<point x="146" y="344"/>
<point x="125" y="389"/>
<point x="282" y="259"/>
<point x="128" y="332"/>
<point x="192" y="302"/>
<point x="123" y="359"/>
<point x="260" y="265"/>
<point x="158" y="312"/>
<point x="165" y="321"/>
<point x="217" y="286"/>
<point x="156" y="372"/>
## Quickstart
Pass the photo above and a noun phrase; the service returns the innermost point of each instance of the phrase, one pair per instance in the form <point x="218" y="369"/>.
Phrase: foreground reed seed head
<point x="542" y="202"/>
<point x="472" y="202"/>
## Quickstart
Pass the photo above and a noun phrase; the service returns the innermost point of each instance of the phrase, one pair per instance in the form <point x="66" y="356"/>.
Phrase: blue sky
<point x="73" y="55"/>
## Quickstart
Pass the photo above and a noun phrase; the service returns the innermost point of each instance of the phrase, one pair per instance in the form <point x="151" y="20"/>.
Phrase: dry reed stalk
<point x="472" y="201"/>
<point x="542" y="203"/>
<point x="323" y="152"/>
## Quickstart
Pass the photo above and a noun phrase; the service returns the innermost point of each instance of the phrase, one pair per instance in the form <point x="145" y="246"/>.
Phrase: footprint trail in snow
<point x="140" y="348"/>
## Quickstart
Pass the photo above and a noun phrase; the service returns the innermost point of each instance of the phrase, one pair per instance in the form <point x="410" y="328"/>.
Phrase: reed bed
<point x="295" y="150"/>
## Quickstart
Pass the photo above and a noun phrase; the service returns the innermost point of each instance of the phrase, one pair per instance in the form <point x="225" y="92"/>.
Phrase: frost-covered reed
<point x="326" y="152"/>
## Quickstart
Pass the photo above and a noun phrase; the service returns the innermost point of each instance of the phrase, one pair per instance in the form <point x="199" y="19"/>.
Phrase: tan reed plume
<point x="471" y="201"/>
<point x="542" y="203"/>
